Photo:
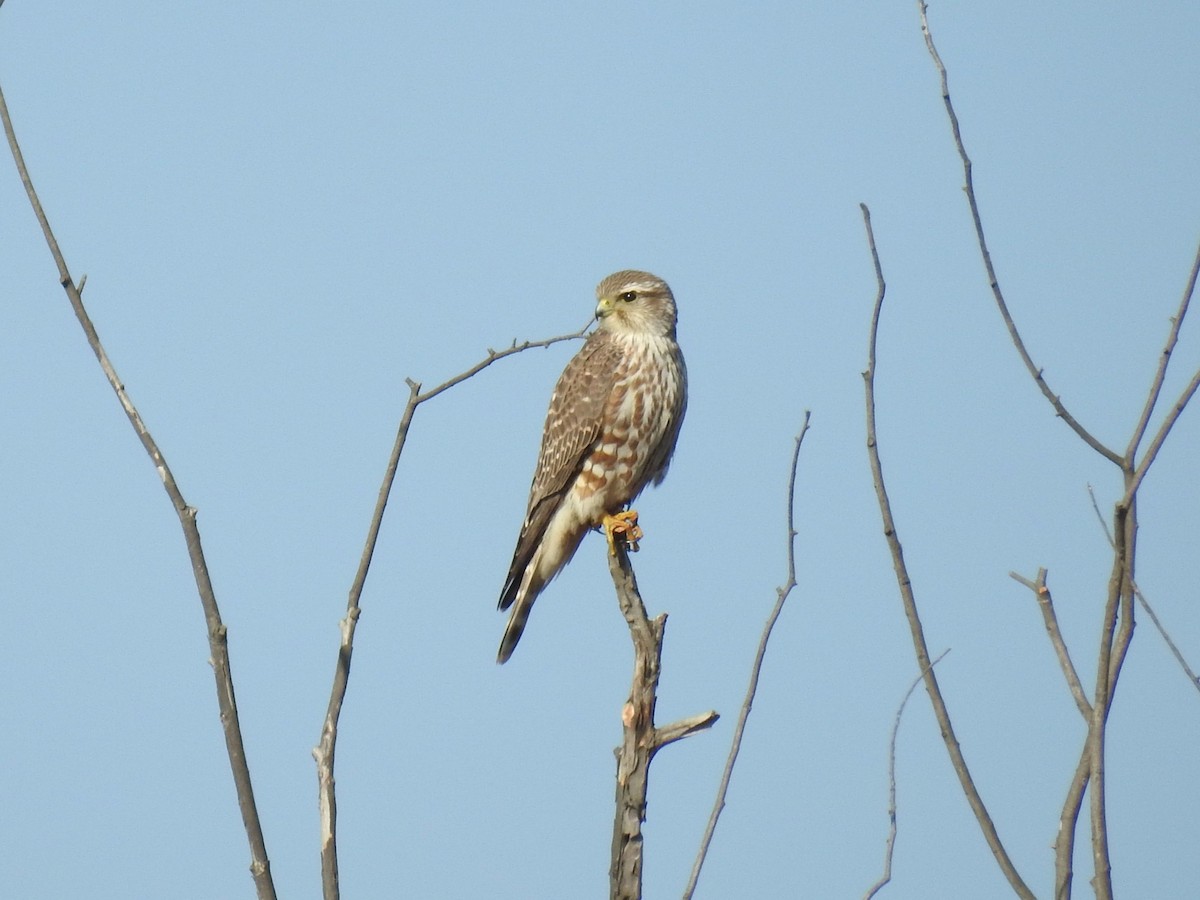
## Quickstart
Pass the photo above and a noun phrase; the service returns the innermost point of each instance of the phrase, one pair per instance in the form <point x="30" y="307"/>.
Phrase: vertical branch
<point x="637" y="735"/>
<point x="755" y="670"/>
<point x="1113" y="646"/>
<point x="326" y="747"/>
<point x="218" y="641"/>
<point x="641" y="739"/>
<point x="1068" y="819"/>
<point x="910" y="604"/>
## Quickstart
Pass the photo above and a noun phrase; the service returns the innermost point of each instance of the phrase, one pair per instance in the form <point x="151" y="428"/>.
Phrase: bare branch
<point x="1159" y="438"/>
<point x="1164" y="359"/>
<point x="1141" y="598"/>
<point x="756" y="669"/>
<point x="641" y="740"/>
<point x="910" y="604"/>
<point x="669" y="734"/>
<point x="1111" y="656"/>
<point x="1064" y="840"/>
<point x="993" y="282"/>
<point x="260" y="865"/>
<point x="325" y="750"/>
<point x="495" y="355"/>
<point x="1046" y="604"/>
<point x="326" y="747"/>
<point x="891" y="840"/>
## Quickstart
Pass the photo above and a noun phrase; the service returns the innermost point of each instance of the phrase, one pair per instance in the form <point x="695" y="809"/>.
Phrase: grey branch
<point x="326" y="747"/>
<point x="641" y="740"/>
<point x="218" y="643"/>
<point x="756" y="669"/>
<point x="1145" y="604"/>
<point x="1046" y="604"/>
<point x="993" y="282"/>
<point x="908" y="598"/>
<point x="1164" y="359"/>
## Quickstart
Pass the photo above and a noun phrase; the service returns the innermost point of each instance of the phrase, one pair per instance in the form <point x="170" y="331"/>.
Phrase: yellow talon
<point x="623" y="524"/>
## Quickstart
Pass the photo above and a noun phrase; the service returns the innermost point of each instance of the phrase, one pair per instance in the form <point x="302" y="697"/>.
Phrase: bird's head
<point x="635" y="302"/>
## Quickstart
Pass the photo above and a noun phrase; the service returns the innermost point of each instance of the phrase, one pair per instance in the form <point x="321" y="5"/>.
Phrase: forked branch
<point x="326" y="747"/>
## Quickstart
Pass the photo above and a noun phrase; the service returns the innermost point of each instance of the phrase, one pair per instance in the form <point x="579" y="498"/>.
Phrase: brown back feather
<point x="572" y="427"/>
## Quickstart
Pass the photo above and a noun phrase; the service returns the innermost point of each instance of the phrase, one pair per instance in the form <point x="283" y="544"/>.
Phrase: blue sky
<point x="285" y="209"/>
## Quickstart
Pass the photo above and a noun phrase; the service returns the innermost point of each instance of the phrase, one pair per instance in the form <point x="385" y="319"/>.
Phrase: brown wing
<point x="572" y="425"/>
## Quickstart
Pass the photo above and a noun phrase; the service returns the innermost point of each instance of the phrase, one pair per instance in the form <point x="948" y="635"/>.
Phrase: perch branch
<point x="993" y="282"/>
<point x="326" y="748"/>
<point x="641" y="740"/>
<point x="756" y="669"/>
<point x="218" y="639"/>
<point x="908" y="598"/>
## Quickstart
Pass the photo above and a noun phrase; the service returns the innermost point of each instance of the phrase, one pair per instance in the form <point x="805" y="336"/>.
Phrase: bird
<point x="612" y="426"/>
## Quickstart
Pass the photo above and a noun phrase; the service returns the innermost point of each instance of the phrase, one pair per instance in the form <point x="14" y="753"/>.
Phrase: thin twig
<point x="993" y="282"/>
<point x="891" y="840"/>
<point x="910" y="603"/>
<point x="756" y="669"/>
<point x="495" y="356"/>
<point x="1041" y="593"/>
<point x="326" y="748"/>
<point x="1164" y="359"/>
<point x="260" y="866"/>
<point x="640" y="738"/>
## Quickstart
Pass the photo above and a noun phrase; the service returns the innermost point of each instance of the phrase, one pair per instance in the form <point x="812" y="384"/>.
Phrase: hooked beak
<point x="603" y="308"/>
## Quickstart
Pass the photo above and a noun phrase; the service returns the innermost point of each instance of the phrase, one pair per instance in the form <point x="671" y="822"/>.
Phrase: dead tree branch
<point x="993" y="282"/>
<point x="1118" y="623"/>
<point x="1145" y="604"/>
<point x="1046" y="604"/>
<point x="218" y="638"/>
<point x="641" y="738"/>
<point x="1064" y="838"/>
<point x="756" y="669"/>
<point x="1164" y="360"/>
<point x="326" y="747"/>
<point x="909" y="599"/>
<point x="891" y="839"/>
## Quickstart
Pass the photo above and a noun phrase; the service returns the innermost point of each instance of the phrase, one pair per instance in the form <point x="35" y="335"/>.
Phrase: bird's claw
<point x="624" y="524"/>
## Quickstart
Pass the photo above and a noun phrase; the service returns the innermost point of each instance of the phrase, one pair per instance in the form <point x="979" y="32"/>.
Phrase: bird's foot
<point x="625" y="525"/>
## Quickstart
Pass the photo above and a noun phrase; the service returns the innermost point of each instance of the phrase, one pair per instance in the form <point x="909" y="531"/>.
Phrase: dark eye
<point x="629" y="296"/>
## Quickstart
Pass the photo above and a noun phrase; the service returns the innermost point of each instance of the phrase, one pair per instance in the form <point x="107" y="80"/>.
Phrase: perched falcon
<point x="613" y="421"/>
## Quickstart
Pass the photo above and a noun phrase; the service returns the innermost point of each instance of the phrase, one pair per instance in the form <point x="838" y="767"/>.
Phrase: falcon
<point x="611" y="429"/>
